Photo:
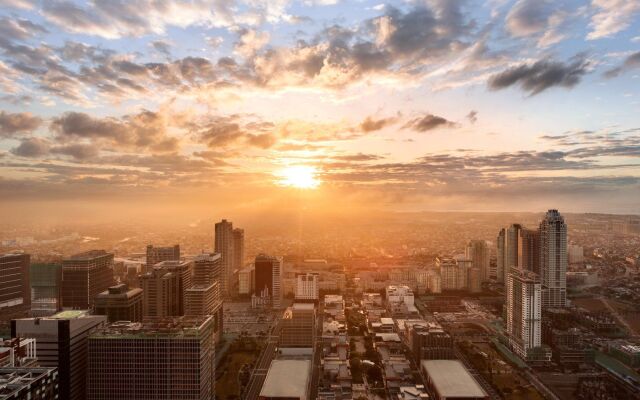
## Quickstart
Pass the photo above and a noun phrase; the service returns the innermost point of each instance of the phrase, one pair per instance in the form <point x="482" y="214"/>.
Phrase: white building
<point x="400" y="300"/>
<point x="524" y="312"/>
<point x="307" y="287"/>
<point x="576" y="254"/>
<point x="553" y="260"/>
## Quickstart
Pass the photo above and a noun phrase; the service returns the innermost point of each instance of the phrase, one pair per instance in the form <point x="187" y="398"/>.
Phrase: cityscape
<point x="319" y="200"/>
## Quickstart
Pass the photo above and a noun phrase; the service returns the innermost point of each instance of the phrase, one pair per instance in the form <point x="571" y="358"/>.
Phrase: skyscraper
<point x="119" y="303"/>
<point x="160" y="254"/>
<point x="15" y="287"/>
<point x="524" y="311"/>
<point x="46" y="284"/>
<point x="501" y="254"/>
<point x="268" y="276"/>
<point x="164" y="288"/>
<point x="61" y="342"/>
<point x="224" y="247"/>
<point x="553" y="260"/>
<point x="511" y="248"/>
<point x="529" y="250"/>
<point x="165" y="359"/>
<point x="238" y="248"/>
<point x="207" y="271"/>
<point x="478" y="252"/>
<point x="85" y="275"/>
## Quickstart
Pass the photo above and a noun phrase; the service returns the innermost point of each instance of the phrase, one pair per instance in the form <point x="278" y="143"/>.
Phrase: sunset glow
<point x="299" y="176"/>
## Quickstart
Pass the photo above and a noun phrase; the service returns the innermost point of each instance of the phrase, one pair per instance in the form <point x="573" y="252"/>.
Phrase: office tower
<point x="298" y="326"/>
<point x="202" y="299"/>
<point x="463" y="273"/>
<point x="46" y="285"/>
<point x="164" y="359"/>
<point x="61" y="342"/>
<point x="85" y="275"/>
<point x="478" y="252"/>
<point x="524" y="311"/>
<point x="238" y="248"/>
<point x="448" y="273"/>
<point x="29" y="383"/>
<point x="307" y="287"/>
<point x="119" y="303"/>
<point x="428" y="341"/>
<point x="207" y="271"/>
<point x="475" y="280"/>
<point x="163" y="289"/>
<point x="529" y="250"/>
<point x="268" y="275"/>
<point x="553" y="260"/>
<point x="501" y="254"/>
<point x="511" y="248"/>
<point x="15" y="288"/>
<point x="576" y="254"/>
<point x="224" y="247"/>
<point x="246" y="280"/>
<point x="159" y="254"/>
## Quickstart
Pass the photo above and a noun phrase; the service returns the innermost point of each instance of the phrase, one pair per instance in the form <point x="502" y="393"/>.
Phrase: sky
<point x="408" y="105"/>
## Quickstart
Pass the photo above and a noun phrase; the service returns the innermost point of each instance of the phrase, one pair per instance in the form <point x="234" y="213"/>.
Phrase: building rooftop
<point x="70" y="314"/>
<point x="451" y="379"/>
<point x="88" y="255"/>
<point x="172" y="263"/>
<point x="169" y="327"/>
<point x="303" y="306"/>
<point x="287" y="379"/>
<point x="13" y="380"/>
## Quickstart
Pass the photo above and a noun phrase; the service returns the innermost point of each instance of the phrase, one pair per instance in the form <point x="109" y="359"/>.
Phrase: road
<point x="317" y="354"/>
<point x="259" y="373"/>
<point x="542" y="388"/>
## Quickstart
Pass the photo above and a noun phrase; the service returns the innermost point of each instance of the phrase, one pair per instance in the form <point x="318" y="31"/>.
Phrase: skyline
<point x="401" y="106"/>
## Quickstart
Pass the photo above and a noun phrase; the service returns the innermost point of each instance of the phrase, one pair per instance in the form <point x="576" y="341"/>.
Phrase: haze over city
<point x="319" y="200"/>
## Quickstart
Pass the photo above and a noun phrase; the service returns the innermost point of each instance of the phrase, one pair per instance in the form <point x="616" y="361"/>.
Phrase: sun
<point x="298" y="176"/>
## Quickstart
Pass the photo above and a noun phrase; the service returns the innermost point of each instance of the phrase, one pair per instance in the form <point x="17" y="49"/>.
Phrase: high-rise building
<point x="61" y="341"/>
<point x="524" y="312"/>
<point x="164" y="288"/>
<point x="268" y="278"/>
<point x="246" y="280"/>
<point x="576" y="254"/>
<point x="224" y="247"/>
<point x="478" y="252"/>
<point x="15" y="288"/>
<point x="119" y="303"/>
<point x="207" y="271"/>
<point x="46" y="285"/>
<point x="85" y="275"/>
<point x="475" y="280"/>
<point x="159" y="254"/>
<point x="553" y="260"/>
<point x="238" y="248"/>
<point x="29" y="383"/>
<point x="529" y="250"/>
<point x="307" y="287"/>
<point x="207" y="268"/>
<point x="298" y="326"/>
<point x="501" y="254"/>
<point x="202" y="300"/>
<point x="158" y="293"/>
<point x="511" y="248"/>
<point x="164" y="359"/>
<point x="454" y="274"/>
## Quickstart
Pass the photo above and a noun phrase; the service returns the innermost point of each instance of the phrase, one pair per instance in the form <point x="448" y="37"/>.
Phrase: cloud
<point x="144" y="130"/>
<point x="472" y="116"/>
<point x="13" y="123"/>
<point x="250" y="41"/>
<point x="214" y="41"/>
<point x="428" y="122"/>
<point x="77" y="151"/>
<point x="370" y="124"/>
<point x="528" y="17"/>
<point x="162" y="46"/>
<point x="359" y="157"/>
<point x="541" y="75"/>
<point x="32" y="148"/>
<point x="611" y="17"/>
<point x="631" y="62"/>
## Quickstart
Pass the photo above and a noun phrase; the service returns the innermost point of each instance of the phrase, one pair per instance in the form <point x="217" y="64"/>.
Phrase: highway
<point x="259" y="373"/>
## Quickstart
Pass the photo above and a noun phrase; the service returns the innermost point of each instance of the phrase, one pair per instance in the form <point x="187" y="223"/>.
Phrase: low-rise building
<point x="287" y="380"/>
<point x="449" y="379"/>
<point x="29" y="383"/>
